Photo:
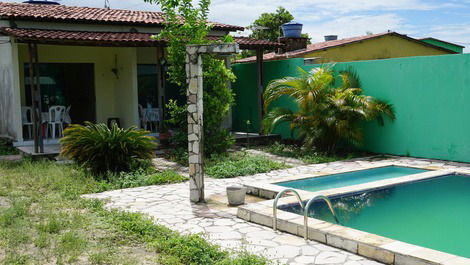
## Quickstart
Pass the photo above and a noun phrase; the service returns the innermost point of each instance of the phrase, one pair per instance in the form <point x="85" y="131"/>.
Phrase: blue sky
<point x="447" y="20"/>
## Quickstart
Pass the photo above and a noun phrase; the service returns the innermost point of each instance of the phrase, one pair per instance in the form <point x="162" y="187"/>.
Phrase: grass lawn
<point x="233" y="164"/>
<point x="43" y="220"/>
<point x="240" y="164"/>
<point x="307" y="156"/>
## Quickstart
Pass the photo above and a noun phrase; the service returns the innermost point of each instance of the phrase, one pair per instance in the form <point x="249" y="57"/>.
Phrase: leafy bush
<point x="139" y="178"/>
<point x="218" y="99"/>
<point x="218" y="96"/>
<point x="239" y="164"/>
<point x="104" y="149"/>
<point x="165" y="177"/>
<point x="307" y="155"/>
<point x="6" y="147"/>
<point x="178" y="155"/>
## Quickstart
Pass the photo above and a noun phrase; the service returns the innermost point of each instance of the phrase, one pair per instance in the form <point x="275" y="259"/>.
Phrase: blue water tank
<point x="41" y="2"/>
<point x="292" y="29"/>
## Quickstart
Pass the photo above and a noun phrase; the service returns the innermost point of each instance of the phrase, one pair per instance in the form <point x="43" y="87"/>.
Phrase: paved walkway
<point x="170" y="206"/>
<point x="162" y="164"/>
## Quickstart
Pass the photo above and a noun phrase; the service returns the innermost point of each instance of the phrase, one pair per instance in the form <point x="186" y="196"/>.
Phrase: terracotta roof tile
<point x="110" y="38"/>
<point x="88" y="14"/>
<point x="326" y="45"/>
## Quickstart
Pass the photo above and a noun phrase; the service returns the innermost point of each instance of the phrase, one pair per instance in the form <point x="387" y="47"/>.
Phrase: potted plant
<point x="236" y="195"/>
<point x="164" y="135"/>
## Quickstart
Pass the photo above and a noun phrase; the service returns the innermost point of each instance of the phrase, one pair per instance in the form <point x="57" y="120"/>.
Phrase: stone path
<point x="162" y="164"/>
<point x="169" y="205"/>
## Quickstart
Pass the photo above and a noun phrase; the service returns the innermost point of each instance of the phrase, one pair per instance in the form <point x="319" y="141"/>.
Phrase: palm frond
<point x="106" y="149"/>
<point x="326" y="115"/>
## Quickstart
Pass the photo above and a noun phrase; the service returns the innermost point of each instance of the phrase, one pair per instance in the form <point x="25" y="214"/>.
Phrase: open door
<point x="67" y="84"/>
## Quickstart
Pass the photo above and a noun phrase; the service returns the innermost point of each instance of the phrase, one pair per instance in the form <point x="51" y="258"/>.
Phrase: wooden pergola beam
<point x="260" y="82"/>
<point x="161" y="85"/>
<point x="36" y="107"/>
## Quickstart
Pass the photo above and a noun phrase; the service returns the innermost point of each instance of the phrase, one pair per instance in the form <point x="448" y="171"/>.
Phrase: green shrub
<point x="104" y="149"/>
<point x="218" y="96"/>
<point x="6" y="147"/>
<point x="239" y="164"/>
<point x="165" y="177"/>
<point x="308" y="155"/>
<point x="179" y="155"/>
<point x="138" y="178"/>
<point x="327" y="115"/>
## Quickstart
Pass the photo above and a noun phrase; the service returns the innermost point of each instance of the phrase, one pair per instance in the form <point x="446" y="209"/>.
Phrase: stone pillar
<point x="195" y="112"/>
<point x="195" y="125"/>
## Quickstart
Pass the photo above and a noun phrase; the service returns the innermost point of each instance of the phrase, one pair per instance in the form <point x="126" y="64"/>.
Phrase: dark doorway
<point x="66" y="84"/>
<point x="147" y="79"/>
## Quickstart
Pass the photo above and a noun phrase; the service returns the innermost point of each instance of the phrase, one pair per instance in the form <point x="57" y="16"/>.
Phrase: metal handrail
<point x="309" y="203"/>
<point x="279" y="195"/>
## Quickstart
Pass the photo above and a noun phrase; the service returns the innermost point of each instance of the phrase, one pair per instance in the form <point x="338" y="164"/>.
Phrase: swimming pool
<point x="350" y="178"/>
<point x="432" y="213"/>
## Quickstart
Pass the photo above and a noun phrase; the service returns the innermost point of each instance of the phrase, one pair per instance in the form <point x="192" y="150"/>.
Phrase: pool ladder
<point x="303" y="208"/>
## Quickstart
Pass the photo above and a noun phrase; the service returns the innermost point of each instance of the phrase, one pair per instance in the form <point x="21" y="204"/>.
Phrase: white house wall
<point x="10" y="107"/>
<point x="116" y="95"/>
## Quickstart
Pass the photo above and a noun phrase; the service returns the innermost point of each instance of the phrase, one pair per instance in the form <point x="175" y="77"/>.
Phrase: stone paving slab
<point x="163" y="164"/>
<point x="169" y="205"/>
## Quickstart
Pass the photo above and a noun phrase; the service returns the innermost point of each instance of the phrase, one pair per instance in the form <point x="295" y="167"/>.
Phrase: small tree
<point x="327" y="115"/>
<point x="268" y="27"/>
<point x="188" y="24"/>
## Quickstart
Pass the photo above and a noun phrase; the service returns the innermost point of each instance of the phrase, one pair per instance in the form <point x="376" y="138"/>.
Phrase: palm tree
<point x="326" y="115"/>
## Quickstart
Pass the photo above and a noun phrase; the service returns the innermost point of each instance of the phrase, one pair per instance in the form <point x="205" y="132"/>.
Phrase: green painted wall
<point x="431" y="96"/>
<point x="246" y="101"/>
<point x="446" y="45"/>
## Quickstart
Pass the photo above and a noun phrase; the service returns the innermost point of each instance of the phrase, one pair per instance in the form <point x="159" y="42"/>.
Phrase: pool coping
<point x="366" y="244"/>
<point x="270" y="190"/>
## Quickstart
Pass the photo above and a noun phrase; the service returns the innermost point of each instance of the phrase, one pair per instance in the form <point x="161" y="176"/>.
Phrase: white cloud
<point x="345" y="18"/>
<point x="349" y="26"/>
<point x="243" y="12"/>
<point x="456" y="33"/>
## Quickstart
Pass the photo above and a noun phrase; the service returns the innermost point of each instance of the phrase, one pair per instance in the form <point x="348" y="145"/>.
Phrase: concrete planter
<point x="236" y="195"/>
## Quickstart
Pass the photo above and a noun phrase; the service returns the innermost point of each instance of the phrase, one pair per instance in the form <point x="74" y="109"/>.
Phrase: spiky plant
<point x="326" y="115"/>
<point x="104" y="149"/>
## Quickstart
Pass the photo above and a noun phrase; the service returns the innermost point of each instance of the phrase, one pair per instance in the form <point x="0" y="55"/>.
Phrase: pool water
<point x="432" y="213"/>
<point x="350" y="178"/>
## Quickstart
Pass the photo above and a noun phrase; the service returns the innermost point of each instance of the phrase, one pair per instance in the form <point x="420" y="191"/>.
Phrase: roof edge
<point x="216" y="26"/>
<point x="451" y="43"/>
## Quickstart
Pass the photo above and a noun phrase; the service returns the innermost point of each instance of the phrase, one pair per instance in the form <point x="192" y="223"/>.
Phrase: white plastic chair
<point x="66" y="118"/>
<point x="153" y="117"/>
<point x="56" y="119"/>
<point x="27" y="119"/>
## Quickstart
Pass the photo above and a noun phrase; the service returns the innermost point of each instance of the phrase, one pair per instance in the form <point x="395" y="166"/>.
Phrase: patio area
<point x="169" y="205"/>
